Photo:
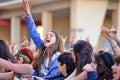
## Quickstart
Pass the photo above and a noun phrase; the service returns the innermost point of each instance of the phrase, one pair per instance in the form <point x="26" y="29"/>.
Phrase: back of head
<point x="104" y="61"/>
<point x="82" y="51"/>
<point x="66" y="58"/>
<point x="5" y="52"/>
<point x="108" y="59"/>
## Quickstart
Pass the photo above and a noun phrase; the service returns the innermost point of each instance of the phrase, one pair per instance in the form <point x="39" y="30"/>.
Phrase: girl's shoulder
<point x="56" y="55"/>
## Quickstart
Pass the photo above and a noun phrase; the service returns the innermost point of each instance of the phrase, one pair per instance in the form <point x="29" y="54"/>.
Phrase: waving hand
<point x="26" y="6"/>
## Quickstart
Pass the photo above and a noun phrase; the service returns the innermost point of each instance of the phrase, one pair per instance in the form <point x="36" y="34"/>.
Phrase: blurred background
<point x="84" y="17"/>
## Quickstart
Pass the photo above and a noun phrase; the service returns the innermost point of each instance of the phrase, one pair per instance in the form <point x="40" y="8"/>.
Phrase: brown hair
<point x="104" y="61"/>
<point x="82" y="51"/>
<point x="48" y="52"/>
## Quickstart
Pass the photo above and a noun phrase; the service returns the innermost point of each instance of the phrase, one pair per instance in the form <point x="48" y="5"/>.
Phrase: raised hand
<point x="73" y="37"/>
<point x="113" y="30"/>
<point x="105" y="33"/>
<point x="63" y="39"/>
<point x="113" y="33"/>
<point x="87" y="39"/>
<point x="26" y="6"/>
<point x="25" y="43"/>
<point x="89" y="67"/>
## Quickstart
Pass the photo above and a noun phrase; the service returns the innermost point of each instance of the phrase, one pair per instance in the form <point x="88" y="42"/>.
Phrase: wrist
<point x="27" y="15"/>
<point x="111" y="40"/>
<point x="114" y="46"/>
<point x="28" y="12"/>
<point x="116" y="38"/>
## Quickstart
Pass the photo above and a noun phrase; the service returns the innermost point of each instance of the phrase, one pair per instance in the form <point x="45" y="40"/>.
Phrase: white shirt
<point x="45" y="65"/>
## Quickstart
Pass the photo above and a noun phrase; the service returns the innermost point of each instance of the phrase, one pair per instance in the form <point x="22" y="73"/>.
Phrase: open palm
<point x="26" y="6"/>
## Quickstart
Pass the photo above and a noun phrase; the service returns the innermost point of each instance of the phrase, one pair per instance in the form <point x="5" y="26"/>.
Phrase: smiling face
<point x="116" y="71"/>
<point x="49" y="39"/>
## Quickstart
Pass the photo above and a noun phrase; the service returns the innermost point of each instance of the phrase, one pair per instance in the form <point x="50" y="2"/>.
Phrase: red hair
<point x="28" y="53"/>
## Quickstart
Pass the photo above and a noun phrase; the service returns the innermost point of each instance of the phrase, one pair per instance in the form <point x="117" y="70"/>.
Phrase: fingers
<point x="93" y="66"/>
<point x="113" y="30"/>
<point x="26" y="6"/>
<point x="113" y="26"/>
<point x="64" y="37"/>
<point x="87" y="39"/>
<point x="73" y="35"/>
<point x="104" y="29"/>
<point x="89" y="67"/>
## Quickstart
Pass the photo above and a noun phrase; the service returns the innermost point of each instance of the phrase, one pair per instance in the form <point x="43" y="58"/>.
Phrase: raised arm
<point x="19" y="68"/>
<point x="26" y="6"/>
<point x="64" y="38"/>
<point x="113" y="35"/>
<point x="31" y="25"/>
<point x="106" y="33"/>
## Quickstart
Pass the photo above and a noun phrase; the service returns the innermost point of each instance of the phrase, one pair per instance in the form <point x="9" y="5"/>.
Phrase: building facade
<point x="84" y="17"/>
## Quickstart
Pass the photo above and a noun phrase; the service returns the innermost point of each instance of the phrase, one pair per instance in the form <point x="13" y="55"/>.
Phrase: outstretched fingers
<point x="26" y="6"/>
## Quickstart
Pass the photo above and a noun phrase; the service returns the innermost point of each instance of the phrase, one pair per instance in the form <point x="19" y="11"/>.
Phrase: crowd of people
<point x="48" y="60"/>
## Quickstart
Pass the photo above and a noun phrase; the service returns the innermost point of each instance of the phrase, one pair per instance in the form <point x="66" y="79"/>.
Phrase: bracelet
<point x="114" y="46"/>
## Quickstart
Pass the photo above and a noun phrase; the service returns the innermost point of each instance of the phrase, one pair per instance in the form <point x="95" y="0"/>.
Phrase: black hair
<point x="66" y="58"/>
<point x="82" y="51"/>
<point x="117" y="59"/>
<point x="5" y="52"/>
<point x="104" y="61"/>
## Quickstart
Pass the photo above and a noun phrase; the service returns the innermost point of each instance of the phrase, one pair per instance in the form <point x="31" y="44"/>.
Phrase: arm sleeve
<point x="53" y="72"/>
<point x="32" y="30"/>
<point x="92" y="75"/>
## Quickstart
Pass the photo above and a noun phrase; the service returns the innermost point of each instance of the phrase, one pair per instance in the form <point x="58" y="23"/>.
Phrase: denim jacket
<point x="53" y="70"/>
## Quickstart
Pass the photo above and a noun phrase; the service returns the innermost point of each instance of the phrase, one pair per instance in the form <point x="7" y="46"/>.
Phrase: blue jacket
<point x="92" y="75"/>
<point x="53" y="71"/>
<point x="33" y="31"/>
